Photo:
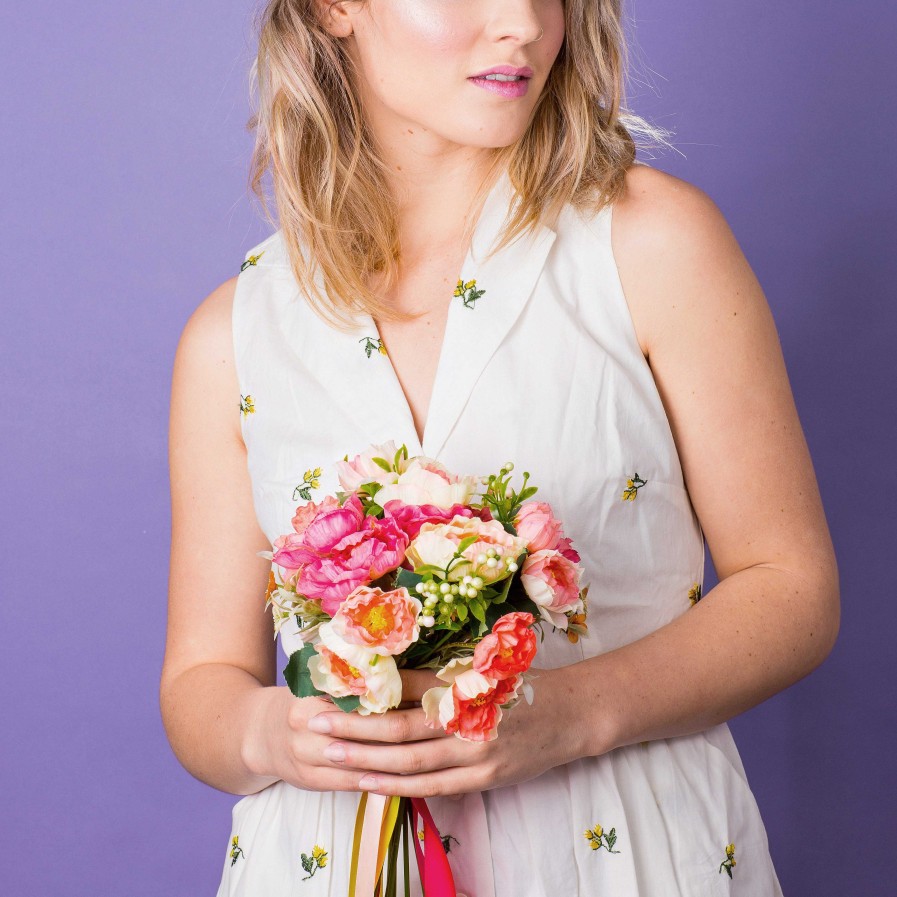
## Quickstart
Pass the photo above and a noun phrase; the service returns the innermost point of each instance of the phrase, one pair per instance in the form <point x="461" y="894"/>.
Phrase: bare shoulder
<point x="204" y="370"/>
<point x="668" y="235"/>
<point x="208" y="331"/>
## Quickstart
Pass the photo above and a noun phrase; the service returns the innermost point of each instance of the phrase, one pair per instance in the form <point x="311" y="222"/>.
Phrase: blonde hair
<point x="329" y="183"/>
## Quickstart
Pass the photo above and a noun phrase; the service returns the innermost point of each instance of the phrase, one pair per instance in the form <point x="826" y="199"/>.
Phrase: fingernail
<point x="319" y="723"/>
<point x="335" y="751"/>
<point x="368" y="783"/>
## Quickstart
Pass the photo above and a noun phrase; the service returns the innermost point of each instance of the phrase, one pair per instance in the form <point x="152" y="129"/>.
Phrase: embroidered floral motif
<point x="576" y="623"/>
<point x="235" y="850"/>
<point x="317" y="860"/>
<point x="247" y="405"/>
<point x="694" y="594"/>
<point x="309" y="482"/>
<point x="729" y="862"/>
<point x="598" y="838"/>
<point x="252" y="260"/>
<point x="633" y="484"/>
<point x="371" y="344"/>
<point x="469" y="292"/>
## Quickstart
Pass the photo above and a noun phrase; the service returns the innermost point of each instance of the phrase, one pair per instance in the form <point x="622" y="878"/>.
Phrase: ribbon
<point x="435" y="872"/>
<point x="374" y="842"/>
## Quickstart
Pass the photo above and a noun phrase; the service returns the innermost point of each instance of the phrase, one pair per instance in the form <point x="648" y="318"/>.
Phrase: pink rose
<point x="385" y="622"/>
<point x="470" y="706"/>
<point x="412" y="517"/>
<point x="427" y="482"/>
<point x="536" y="523"/>
<point x="362" y="469"/>
<point x="509" y="649"/>
<point x="552" y="581"/>
<point x="339" y="550"/>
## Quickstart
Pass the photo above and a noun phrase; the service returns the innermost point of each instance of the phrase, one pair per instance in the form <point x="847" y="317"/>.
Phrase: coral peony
<point x="509" y="649"/>
<point x="385" y="622"/>
<point x="470" y="706"/>
<point x="341" y="669"/>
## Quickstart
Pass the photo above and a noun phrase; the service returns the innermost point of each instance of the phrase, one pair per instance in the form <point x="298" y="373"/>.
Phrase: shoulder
<point x="670" y="242"/>
<point x="207" y="335"/>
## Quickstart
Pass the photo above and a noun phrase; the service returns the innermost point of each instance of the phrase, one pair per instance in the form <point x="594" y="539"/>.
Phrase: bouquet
<point x="413" y="566"/>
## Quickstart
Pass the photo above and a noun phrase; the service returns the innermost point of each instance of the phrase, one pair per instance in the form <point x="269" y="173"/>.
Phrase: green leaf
<point x="478" y="609"/>
<point x="461" y="610"/>
<point x="465" y="543"/>
<point x="401" y="454"/>
<point x="373" y="510"/>
<point x="382" y="462"/>
<point x="370" y="488"/>
<point x="307" y="862"/>
<point x="348" y="703"/>
<point x="407" y="578"/>
<point x="296" y="673"/>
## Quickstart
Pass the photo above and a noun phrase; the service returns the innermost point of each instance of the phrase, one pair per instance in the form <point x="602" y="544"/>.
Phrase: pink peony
<point x="307" y="512"/>
<point x="412" y="517"/>
<point x="339" y="550"/>
<point x="385" y="622"/>
<point x="470" y="706"/>
<point x="509" y="649"/>
<point x="436" y="544"/>
<point x="552" y="581"/>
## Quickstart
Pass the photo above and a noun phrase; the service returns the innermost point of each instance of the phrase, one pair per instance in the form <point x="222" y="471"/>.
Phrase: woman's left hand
<point x="391" y="759"/>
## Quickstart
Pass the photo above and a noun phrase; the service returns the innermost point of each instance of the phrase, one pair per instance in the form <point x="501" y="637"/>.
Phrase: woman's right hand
<point x="279" y="744"/>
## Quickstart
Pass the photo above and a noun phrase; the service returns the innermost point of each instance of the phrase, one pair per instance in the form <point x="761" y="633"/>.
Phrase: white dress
<point x="543" y="369"/>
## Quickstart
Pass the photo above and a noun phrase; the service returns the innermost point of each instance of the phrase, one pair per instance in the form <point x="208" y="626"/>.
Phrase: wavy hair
<point x="329" y="184"/>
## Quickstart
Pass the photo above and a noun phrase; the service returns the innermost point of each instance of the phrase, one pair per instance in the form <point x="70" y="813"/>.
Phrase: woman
<point x="635" y="372"/>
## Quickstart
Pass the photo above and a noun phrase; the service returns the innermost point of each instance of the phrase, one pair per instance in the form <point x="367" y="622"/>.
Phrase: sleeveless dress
<point x="542" y="368"/>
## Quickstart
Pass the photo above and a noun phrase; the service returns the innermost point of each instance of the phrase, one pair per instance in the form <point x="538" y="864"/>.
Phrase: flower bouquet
<point x="412" y="566"/>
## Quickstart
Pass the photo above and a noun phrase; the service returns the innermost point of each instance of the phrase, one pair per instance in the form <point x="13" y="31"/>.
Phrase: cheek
<point x="425" y="27"/>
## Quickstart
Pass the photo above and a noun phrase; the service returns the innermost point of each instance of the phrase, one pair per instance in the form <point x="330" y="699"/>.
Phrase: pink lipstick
<point x="506" y="80"/>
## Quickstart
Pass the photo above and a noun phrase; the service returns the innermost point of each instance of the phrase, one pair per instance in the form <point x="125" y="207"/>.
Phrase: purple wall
<point x="125" y="162"/>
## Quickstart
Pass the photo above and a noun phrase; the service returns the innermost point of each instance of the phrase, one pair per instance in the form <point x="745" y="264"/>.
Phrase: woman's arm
<point x="709" y="336"/>
<point x="219" y="653"/>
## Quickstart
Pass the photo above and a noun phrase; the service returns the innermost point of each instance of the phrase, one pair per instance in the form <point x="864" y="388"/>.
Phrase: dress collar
<point x="361" y="380"/>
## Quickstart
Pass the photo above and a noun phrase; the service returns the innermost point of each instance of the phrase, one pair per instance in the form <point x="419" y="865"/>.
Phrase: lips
<point x="521" y="71"/>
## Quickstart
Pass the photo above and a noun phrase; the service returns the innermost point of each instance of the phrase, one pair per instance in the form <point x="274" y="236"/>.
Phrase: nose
<point x="517" y="19"/>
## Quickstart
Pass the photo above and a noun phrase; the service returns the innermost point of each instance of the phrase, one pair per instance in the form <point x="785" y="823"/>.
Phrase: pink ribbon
<point x="432" y="862"/>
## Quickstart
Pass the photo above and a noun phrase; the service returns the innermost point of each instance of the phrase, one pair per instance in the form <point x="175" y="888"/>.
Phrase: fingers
<point x="416" y="682"/>
<point x="394" y="726"/>
<point x="412" y="758"/>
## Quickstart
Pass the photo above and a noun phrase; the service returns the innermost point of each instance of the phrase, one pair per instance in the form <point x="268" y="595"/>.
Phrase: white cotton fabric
<point x="544" y="370"/>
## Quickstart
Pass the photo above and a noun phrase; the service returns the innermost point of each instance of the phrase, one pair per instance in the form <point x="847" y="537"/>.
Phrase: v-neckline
<point x="492" y="211"/>
<point x="368" y="392"/>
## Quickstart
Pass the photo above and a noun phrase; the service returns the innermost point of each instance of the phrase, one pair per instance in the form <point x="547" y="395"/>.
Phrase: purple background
<point x="125" y="159"/>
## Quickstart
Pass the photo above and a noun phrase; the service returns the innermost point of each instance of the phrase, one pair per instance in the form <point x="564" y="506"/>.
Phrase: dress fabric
<point x="542" y="368"/>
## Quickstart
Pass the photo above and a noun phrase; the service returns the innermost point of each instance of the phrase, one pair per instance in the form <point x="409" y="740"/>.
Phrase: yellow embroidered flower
<point x="372" y="344"/>
<point x="317" y="860"/>
<point x="309" y="482"/>
<point x="468" y="291"/>
<point x="694" y="594"/>
<point x="633" y="484"/>
<point x="729" y="862"/>
<point x="598" y="838"/>
<point x="235" y="850"/>
<point x="251" y="261"/>
<point x="247" y="405"/>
